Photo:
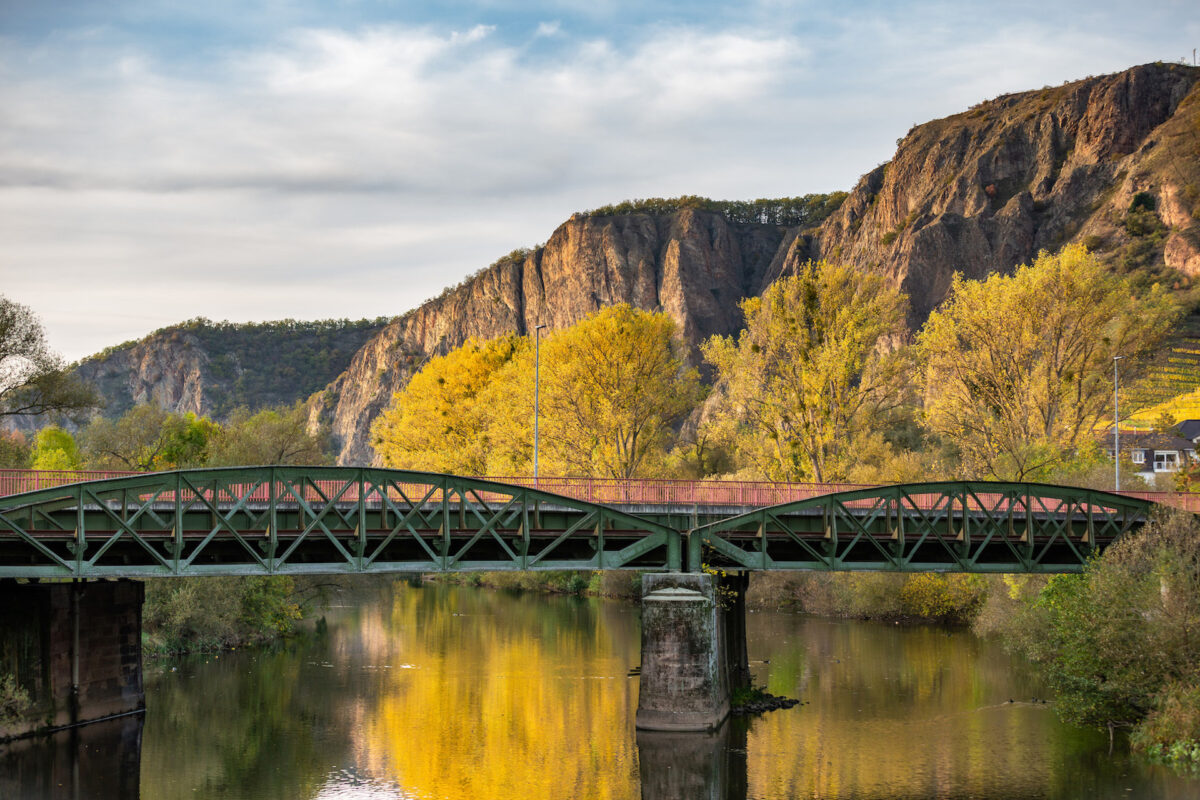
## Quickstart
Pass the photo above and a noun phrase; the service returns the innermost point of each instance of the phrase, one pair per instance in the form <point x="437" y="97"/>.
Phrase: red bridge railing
<point x="641" y="492"/>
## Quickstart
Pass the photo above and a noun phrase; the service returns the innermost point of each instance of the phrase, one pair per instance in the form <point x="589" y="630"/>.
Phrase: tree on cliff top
<point x="1018" y="369"/>
<point x="811" y="372"/>
<point x="33" y="379"/>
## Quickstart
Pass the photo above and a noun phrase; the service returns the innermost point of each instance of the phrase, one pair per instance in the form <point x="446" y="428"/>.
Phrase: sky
<point x="351" y="158"/>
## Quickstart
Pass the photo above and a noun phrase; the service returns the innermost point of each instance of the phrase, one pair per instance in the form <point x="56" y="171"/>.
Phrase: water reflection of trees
<point x="508" y="696"/>
<point x="898" y="711"/>
<point x="451" y="692"/>
<point x="243" y="724"/>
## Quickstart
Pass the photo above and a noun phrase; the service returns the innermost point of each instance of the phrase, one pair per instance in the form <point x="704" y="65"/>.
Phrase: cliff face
<point x="694" y="265"/>
<point x="976" y="192"/>
<point x="167" y="370"/>
<point x="209" y="368"/>
<point x="987" y="189"/>
<point x="1112" y="161"/>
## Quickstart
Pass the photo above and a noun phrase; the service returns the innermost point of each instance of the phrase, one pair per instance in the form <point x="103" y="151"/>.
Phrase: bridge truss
<point x="944" y="526"/>
<point x="281" y="520"/>
<point x="288" y="520"/>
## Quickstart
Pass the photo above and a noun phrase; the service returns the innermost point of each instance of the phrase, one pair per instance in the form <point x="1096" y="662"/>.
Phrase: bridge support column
<point x="75" y="650"/>
<point x="684" y="682"/>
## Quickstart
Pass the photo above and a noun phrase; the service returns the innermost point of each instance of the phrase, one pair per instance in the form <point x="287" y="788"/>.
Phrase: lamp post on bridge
<point x="1116" y="424"/>
<point x="537" y="379"/>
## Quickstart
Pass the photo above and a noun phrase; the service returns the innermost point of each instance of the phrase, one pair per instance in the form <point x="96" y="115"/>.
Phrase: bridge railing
<point x="638" y="492"/>
<point x="16" y="481"/>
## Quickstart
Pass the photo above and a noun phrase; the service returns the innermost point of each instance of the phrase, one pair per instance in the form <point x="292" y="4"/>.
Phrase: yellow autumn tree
<point x="612" y="387"/>
<point x="812" y="372"/>
<point x="1018" y="368"/>
<point x="436" y="422"/>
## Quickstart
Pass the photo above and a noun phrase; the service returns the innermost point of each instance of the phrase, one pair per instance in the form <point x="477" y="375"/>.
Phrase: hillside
<point x="693" y="263"/>
<point x="1112" y="161"/>
<point x="210" y="368"/>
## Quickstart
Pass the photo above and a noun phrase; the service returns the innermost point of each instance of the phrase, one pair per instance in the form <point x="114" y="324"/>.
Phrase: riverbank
<point x="200" y="615"/>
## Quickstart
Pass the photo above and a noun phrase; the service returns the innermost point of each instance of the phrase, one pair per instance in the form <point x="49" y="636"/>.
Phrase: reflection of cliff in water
<point x="101" y="760"/>
<point x="694" y="765"/>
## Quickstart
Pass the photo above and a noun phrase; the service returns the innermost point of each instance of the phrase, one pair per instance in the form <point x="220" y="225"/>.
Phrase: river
<point x="439" y="691"/>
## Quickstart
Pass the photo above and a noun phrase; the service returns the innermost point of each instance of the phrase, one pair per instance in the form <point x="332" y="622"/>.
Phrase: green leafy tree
<point x="33" y="379"/>
<point x="1018" y="369"/>
<point x="1117" y="636"/>
<point x="147" y="438"/>
<point x="54" y="448"/>
<point x="813" y="370"/>
<point x="270" y="436"/>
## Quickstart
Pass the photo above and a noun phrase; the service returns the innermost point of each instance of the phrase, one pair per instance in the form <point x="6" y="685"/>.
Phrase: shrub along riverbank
<point x="1120" y="643"/>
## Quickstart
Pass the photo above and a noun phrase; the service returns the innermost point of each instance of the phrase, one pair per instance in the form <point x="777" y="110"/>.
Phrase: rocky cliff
<point x="691" y="263"/>
<point x="987" y="189"/>
<point x="1113" y="161"/>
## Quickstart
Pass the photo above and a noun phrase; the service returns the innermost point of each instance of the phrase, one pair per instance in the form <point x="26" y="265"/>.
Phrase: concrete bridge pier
<point x="75" y="649"/>
<point x="687" y="643"/>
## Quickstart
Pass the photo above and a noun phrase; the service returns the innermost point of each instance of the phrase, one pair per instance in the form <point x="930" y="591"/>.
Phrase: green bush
<point x="14" y="700"/>
<point x="200" y="614"/>
<point x="1171" y="732"/>
<point x="1119" y="640"/>
<point x="950" y="598"/>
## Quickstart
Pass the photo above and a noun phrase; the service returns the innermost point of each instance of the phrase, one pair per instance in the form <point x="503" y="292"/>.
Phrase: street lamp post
<point x="1116" y="424"/>
<point x="537" y="380"/>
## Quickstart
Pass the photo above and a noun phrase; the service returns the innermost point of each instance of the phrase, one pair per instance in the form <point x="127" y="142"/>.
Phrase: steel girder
<point x="956" y="526"/>
<point x="281" y="520"/>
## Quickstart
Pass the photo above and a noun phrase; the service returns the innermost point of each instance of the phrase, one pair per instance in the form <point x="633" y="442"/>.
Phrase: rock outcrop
<point x="977" y="192"/>
<point x="209" y="368"/>
<point x="167" y="370"/>
<point x="987" y="189"/>
<point x="694" y="265"/>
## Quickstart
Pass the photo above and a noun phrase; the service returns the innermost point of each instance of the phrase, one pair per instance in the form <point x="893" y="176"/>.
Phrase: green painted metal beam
<point x="948" y="526"/>
<point x="297" y="520"/>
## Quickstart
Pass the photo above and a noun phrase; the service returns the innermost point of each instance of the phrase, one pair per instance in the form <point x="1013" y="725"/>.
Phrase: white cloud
<point x="355" y="173"/>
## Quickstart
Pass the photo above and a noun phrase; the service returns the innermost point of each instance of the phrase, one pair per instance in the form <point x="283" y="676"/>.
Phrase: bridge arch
<point x="289" y="520"/>
<point x="952" y="526"/>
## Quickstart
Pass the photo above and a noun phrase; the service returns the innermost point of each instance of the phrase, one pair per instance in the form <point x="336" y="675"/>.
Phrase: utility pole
<point x="537" y="380"/>
<point x="1116" y="424"/>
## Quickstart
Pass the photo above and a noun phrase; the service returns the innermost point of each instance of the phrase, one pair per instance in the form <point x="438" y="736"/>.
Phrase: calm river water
<point x="448" y="692"/>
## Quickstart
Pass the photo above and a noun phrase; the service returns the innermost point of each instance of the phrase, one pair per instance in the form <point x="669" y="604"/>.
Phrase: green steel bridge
<point x="292" y="520"/>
